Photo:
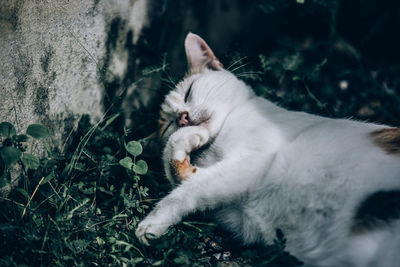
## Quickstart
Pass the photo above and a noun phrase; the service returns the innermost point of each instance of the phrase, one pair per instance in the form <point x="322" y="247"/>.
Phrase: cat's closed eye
<point x="188" y="92"/>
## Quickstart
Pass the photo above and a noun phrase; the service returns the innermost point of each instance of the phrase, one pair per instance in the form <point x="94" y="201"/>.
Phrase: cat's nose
<point x="183" y="119"/>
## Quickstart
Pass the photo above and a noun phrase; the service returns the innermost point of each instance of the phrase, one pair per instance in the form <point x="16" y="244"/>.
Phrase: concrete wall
<point x="62" y="59"/>
<point x="59" y="56"/>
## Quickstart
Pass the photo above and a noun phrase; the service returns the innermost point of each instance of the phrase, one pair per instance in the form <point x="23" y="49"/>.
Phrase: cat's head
<point x="205" y="96"/>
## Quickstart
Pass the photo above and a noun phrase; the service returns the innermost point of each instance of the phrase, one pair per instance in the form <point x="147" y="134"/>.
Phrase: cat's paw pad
<point x="149" y="230"/>
<point x="183" y="169"/>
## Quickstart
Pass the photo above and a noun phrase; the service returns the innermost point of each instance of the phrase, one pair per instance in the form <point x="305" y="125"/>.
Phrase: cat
<point x="332" y="186"/>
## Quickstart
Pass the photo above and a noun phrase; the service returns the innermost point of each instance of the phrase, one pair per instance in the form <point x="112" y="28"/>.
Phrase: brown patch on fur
<point x="162" y="124"/>
<point x="214" y="62"/>
<point x="388" y="139"/>
<point x="183" y="169"/>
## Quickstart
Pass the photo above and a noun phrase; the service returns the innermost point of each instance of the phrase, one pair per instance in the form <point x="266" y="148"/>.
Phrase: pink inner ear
<point x="199" y="54"/>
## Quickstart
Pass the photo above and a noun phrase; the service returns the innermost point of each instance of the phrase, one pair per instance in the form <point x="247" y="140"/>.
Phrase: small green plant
<point x="135" y="168"/>
<point x="13" y="148"/>
<point x="78" y="207"/>
<point x="135" y="149"/>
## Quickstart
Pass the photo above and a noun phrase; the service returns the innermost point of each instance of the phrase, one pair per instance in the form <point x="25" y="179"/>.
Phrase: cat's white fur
<point x="268" y="168"/>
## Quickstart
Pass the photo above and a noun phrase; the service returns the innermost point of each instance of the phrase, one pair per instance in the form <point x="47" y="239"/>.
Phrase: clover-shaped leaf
<point x="126" y="163"/>
<point x="134" y="148"/>
<point x="140" y="167"/>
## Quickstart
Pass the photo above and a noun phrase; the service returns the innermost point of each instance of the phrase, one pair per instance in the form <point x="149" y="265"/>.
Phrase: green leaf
<point x="100" y="241"/>
<point x="140" y="167"/>
<point x="38" y="131"/>
<point x="136" y="260"/>
<point x="126" y="162"/>
<point x="134" y="148"/>
<point x="182" y="260"/>
<point x="109" y="121"/>
<point x="86" y="188"/>
<point x="158" y="263"/>
<point x="3" y="181"/>
<point x="51" y="164"/>
<point x="21" y="138"/>
<point x="3" y="174"/>
<point x="48" y="178"/>
<point x="23" y="192"/>
<point x="10" y="155"/>
<point x="7" y="129"/>
<point x="2" y="167"/>
<point x="30" y="161"/>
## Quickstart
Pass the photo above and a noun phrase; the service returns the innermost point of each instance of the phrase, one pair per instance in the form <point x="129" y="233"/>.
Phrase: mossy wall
<point x="58" y="59"/>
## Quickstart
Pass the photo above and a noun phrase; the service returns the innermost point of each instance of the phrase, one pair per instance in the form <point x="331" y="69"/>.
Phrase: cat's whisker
<point x="168" y="85"/>
<point x="153" y="135"/>
<point x="236" y="62"/>
<point x="249" y="74"/>
<point x="169" y="80"/>
<point x="239" y="67"/>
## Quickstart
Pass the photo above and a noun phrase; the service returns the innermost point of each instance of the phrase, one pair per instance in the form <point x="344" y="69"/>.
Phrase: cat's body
<point x="264" y="168"/>
<point x="302" y="190"/>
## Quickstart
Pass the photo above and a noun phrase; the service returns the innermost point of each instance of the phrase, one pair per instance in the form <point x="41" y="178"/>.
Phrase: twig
<point x="10" y="200"/>
<point x="30" y="199"/>
<point x="68" y="137"/>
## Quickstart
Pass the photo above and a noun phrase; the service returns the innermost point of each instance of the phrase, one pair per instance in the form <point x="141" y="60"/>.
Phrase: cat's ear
<point x="199" y="55"/>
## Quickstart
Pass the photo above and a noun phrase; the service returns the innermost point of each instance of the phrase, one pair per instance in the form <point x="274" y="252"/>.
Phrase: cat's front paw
<point x="183" y="169"/>
<point x="150" y="229"/>
<point x="188" y="139"/>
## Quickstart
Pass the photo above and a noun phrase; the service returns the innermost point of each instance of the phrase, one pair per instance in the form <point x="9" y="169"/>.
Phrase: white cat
<point x="331" y="185"/>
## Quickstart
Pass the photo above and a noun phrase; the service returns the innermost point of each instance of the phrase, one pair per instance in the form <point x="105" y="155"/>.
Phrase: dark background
<point x="319" y="42"/>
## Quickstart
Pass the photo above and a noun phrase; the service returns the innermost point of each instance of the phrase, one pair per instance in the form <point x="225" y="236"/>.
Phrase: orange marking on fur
<point x="182" y="169"/>
<point x="387" y="139"/>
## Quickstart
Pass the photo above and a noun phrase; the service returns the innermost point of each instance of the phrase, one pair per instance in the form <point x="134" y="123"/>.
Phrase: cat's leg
<point x="176" y="155"/>
<point x="207" y="188"/>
